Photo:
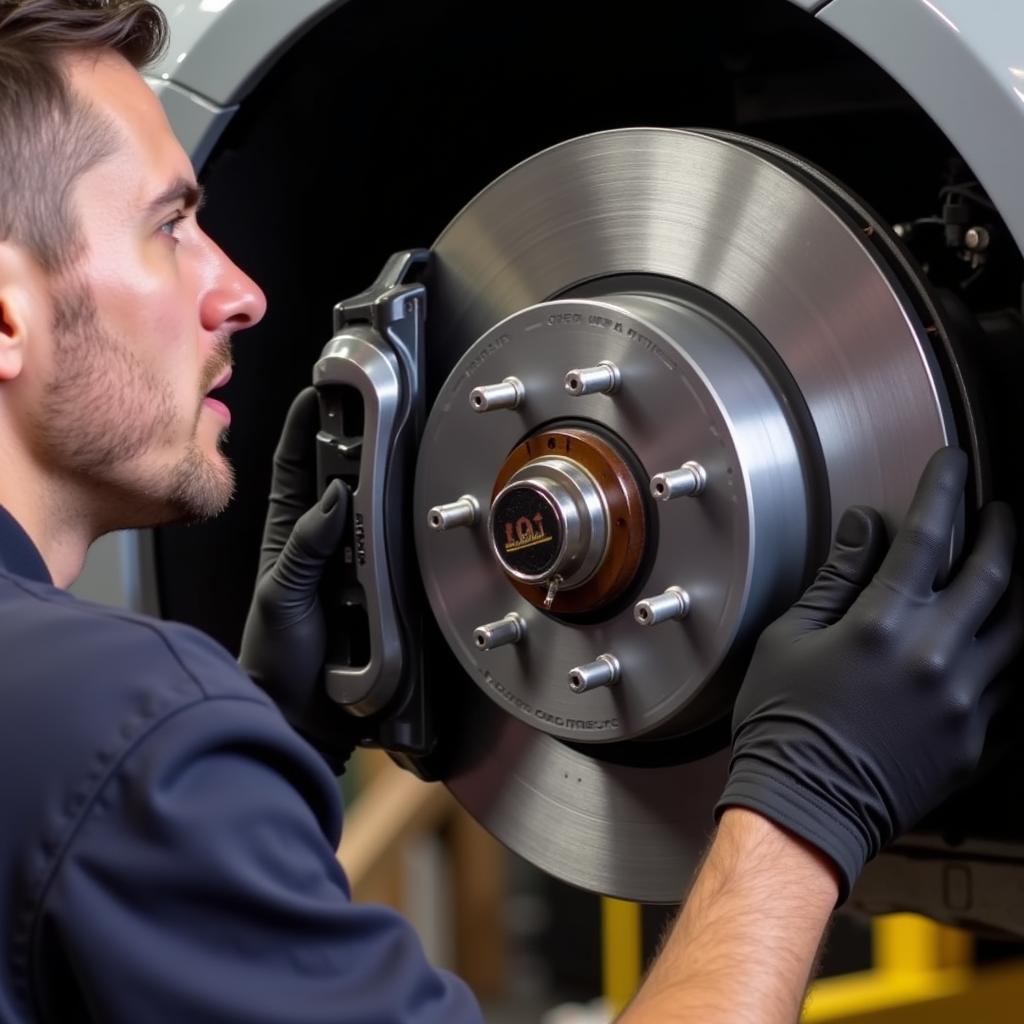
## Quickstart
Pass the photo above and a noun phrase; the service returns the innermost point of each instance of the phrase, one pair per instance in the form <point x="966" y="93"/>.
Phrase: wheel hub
<point x="689" y="392"/>
<point x="600" y="558"/>
<point x="550" y="524"/>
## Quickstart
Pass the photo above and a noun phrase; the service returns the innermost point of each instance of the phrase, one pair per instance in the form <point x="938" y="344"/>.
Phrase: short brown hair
<point x="48" y="135"/>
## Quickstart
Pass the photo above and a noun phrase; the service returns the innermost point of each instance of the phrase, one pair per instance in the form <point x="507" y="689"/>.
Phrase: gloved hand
<point x="868" y="701"/>
<point x="285" y="639"/>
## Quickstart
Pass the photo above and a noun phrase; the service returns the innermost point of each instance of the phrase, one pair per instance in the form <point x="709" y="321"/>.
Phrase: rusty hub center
<point x="566" y="509"/>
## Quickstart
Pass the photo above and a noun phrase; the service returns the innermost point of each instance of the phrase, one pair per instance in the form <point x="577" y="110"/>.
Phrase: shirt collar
<point x="18" y="554"/>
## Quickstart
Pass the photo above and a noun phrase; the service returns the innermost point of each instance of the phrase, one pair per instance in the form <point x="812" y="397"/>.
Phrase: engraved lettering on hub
<point x="478" y="361"/>
<point x="579" y="724"/>
<point x="558" y="319"/>
<point x="651" y="345"/>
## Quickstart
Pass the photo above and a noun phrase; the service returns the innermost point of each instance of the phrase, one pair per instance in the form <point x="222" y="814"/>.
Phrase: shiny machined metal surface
<point x="359" y="359"/>
<point x="603" y="379"/>
<point x="744" y="544"/>
<point x="653" y="611"/>
<point x="581" y="517"/>
<point x="509" y="630"/>
<point x="705" y="211"/>
<point x="376" y="352"/>
<point x="495" y="397"/>
<point x="686" y="482"/>
<point x="464" y="512"/>
<point x="605" y="670"/>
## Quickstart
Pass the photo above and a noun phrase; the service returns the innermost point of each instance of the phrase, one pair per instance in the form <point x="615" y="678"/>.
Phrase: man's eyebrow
<point x="180" y="192"/>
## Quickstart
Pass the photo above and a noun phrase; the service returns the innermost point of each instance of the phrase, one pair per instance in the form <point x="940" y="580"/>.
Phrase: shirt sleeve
<point x="202" y="886"/>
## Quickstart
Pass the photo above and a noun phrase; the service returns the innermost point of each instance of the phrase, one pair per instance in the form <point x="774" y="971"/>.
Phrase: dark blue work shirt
<point x="167" y="841"/>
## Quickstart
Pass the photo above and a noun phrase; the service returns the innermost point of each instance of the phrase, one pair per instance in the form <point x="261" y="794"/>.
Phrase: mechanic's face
<point x="141" y="326"/>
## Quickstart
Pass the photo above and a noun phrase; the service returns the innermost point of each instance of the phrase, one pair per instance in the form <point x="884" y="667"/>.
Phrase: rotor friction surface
<point x="718" y="216"/>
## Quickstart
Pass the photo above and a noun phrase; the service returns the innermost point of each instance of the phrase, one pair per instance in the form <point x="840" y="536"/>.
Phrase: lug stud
<point x="464" y="512"/>
<point x="509" y="630"/>
<point x="687" y="481"/>
<point x="673" y="604"/>
<point x="605" y="671"/>
<point x="509" y="394"/>
<point x="603" y="379"/>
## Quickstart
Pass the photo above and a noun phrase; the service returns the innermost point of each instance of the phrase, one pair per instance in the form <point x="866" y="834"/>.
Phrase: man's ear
<point x="18" y="284"/>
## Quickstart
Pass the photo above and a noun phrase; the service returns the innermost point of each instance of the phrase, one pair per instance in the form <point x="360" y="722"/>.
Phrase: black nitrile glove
<point x="285" y="640"/>
<point x="867" y="703"/>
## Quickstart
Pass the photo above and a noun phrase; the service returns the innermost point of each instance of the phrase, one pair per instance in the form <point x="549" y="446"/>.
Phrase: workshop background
<point x="332" y="134"/>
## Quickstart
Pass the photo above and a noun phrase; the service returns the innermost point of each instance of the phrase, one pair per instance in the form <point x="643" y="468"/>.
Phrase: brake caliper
<point x="370" y="381"/>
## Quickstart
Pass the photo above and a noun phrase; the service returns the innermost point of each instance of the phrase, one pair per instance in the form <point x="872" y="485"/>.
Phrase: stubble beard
<point x="103" y="410"/>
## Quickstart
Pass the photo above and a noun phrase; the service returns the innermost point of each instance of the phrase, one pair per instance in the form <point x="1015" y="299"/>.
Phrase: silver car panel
<point x="963" y="62"/>
<point x="220" y="48"/>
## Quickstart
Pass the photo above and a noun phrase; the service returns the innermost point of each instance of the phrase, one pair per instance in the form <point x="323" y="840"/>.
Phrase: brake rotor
<point x="664" y="363"/>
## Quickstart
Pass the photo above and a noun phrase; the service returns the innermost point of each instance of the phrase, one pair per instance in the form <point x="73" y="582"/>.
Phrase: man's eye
<point x="171" y="227"/>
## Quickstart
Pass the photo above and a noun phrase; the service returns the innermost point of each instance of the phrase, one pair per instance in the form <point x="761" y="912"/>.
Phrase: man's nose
<point x="234" y="301"/>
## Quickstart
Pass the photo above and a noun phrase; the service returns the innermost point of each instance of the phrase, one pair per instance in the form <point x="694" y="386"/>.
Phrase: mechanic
<point x="167" y="849"/>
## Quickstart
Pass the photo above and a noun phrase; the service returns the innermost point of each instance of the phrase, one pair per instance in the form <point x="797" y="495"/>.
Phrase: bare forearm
<point x="745" y="944"/>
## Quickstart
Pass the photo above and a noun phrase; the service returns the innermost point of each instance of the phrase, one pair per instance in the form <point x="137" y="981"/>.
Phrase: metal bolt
<point x="603" y="672"/>
<point x="977" y="239"/>
<point x="687" y="481"/>
<point x="509" y="630"/>
<point x="556" y="582"/>
<point x="673" y="604"/>
<point x="509" y="394"/>
<point x="603" y="379"/>
<point x="464" y="512"/>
